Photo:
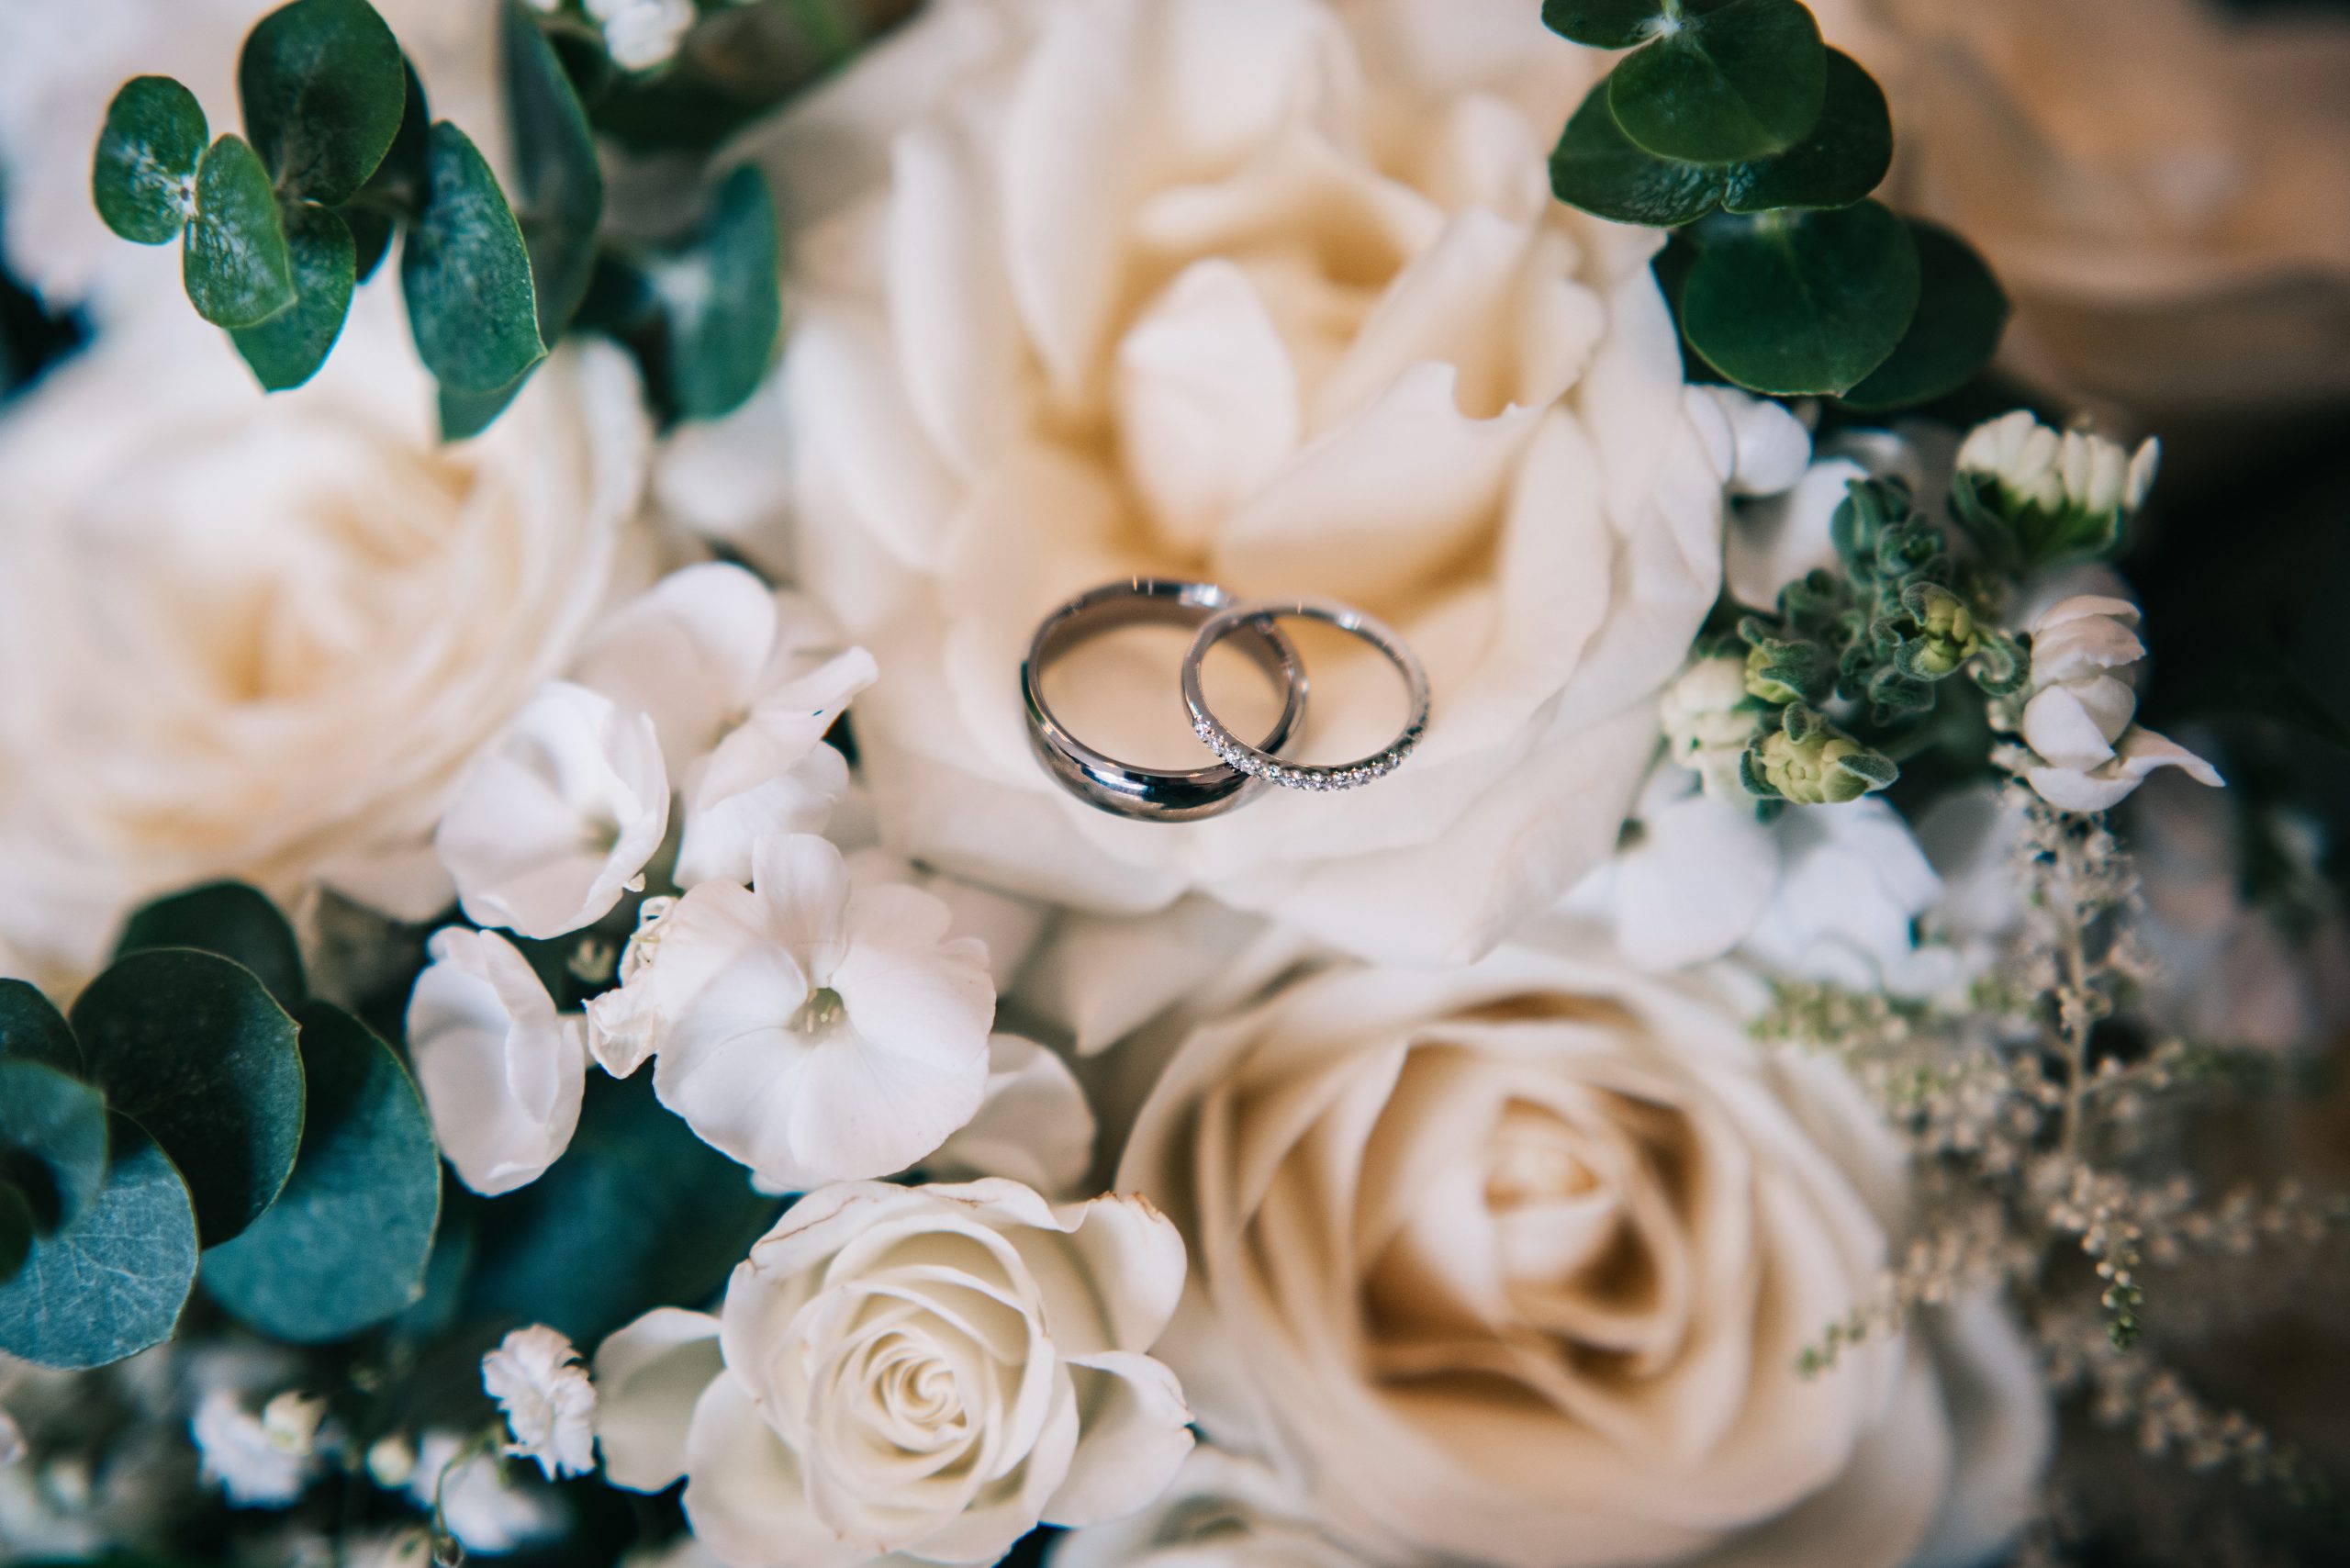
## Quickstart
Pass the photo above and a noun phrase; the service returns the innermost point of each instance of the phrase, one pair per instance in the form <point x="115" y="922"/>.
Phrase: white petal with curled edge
<point x="501" y="1072"/>
<point x="1135" y="1439"/>
<point x="745" y="1494"/>
<point x="688" y="652"/>
<point x="649" y="1376"/>
<point x="1033" y="1125"/>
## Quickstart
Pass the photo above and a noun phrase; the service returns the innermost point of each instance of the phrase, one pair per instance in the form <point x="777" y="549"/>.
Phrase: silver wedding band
<point x="1258" y="616"/>
<point x="1153" y="794"/>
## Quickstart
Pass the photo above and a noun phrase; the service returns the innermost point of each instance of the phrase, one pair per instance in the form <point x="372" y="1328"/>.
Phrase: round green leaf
<point x="1961" y="311"/>
<point x="143" y="179"/>
<point x="287" y="350"/>
<point x="558" y="183"/>
<point x="1603" y="24"/>
<point x="1724" y="87"/>
<point x="33" y="1030"/>
<point x="467" y="273"/>
<point x="722" y="301"/>
<point x="323" y="91"/>
<point x="112" y="1283"/>
<point x="235" y="263"/>
<point x="1599" y="169"/>
<point x="191" y="1047"/>
<point x="1800" y="303"/>
<point x="53" y="1140"/>
<point x="228" y="918"/>
<point x="344" y="1246"/>
<point x="464" y="415"/>
<point x="1843" y="158"/>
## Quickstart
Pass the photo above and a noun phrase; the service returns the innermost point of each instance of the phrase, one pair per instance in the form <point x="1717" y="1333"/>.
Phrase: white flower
<point x="1033" y="1127"/>
<point x="469" y="1491"/>
<point x="741" y="684"/>
<point x="1708" y="723"/>
<point x="1223" y="1511"/>
<point x="261" y="637"/>
<point x="811" y="1027"/>
<point x="557" y="820"/>
<point x="12" y="1440"/>
<point x="2086" y="754"/>
<point x="550" y="1405"/>
<point x="2076" y="472"/>
<point x="642" y="34"/>
<point x="1513" y="1263"/>
<point x="260" y="1461"/>
<point x="1760" y="448"/>
<point x="502" y="1074"/>
<point x="926" y="1370"/>
<point x="1271" y="292"/>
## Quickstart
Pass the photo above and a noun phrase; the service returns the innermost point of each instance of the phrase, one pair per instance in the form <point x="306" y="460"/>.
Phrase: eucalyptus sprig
<point x="1732" y="122"/>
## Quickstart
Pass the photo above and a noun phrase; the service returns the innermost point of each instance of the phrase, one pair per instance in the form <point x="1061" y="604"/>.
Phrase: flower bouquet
<point x="794" y="783"/>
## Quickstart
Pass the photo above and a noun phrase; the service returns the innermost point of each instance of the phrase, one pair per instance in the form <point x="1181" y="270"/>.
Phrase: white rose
<point x="924" y="1369"/>
<point x="1268" y="291"/>
<point x="502" y="1074"/>
<point x="2173" y="224"/>
<point x="260" y="637"/>
<point x="1514" y="1264"/>
<point x="1223" y="1511"/>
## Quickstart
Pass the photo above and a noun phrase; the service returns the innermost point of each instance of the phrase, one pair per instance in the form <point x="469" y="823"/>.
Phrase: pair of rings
<point x="1243" y="770"/>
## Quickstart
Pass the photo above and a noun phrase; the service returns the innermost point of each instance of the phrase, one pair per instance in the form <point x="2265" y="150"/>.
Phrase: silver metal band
<point x="1260" y="761"/>
<point x="1152" y="794"/>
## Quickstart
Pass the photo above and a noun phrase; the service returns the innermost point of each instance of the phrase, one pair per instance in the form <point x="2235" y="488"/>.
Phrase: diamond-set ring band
<point x="1264" y="762"/>
<point x="1242" y="770"/>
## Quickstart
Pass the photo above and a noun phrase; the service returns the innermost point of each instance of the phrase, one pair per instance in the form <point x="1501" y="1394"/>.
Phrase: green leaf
<point x="467" y="275"/>
<point x="399" y="183"/>
<point x="344" y="1246"/>
<point x="1611" y="24"/>
<point x="113" y="1282"/>
<point x="191" y="1047"/>
<point x="322" y="90"/>
<point x="31" y="1029"/>
<point x="227" y="918"/>
<point x="1724" y="87"/>
<point x="557" y="179"/>
<point x="723" y="300"/>
<point x="53" y="1140"/>
<point x="235" y="265"/>
<point x="371" y="239"/>
<point x="143" y="179"/>
<point x="16" y="1230"/>
<point x="1961" y="311"/>
<point x="639" y="1212"/>
<point x="1599" y="169"/>
<point x="464" y="415"/>
<point x="1843" y="158"/>
<point x="288" y="349"/>
<point x="1800" y="303"/>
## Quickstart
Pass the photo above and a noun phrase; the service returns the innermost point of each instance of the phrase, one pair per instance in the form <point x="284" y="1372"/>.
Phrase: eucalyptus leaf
<point x="398" y="184"/>
<point x="53" y="1140"/>
<point x="231" y="918"/>
<point x="638" y="1213"/>
<point x="321" y="85"/>
<point x="1612" y="24"/>
<point x="1800" y="303"/>
<point x="464" y="415"/>
<point x="143" y="178"/>
<point x="371" y="238"/>
<point x="557" y="182"/>
<point x="1961" y="311"/>
<point x="344" y="1246"/>
<point x="1724" y="87"/>
<point x="1599" y="169"/>
<point x="467" y="273"/>
<point x="235" y="264"/>
<point x="191" y="1047"/>
<point x="722" y="301"/>
<point x="1843" y="158"/>
<point x="32" y="1030"/>
<point x="287" y="350"/>
<point x="112" y="1283"/>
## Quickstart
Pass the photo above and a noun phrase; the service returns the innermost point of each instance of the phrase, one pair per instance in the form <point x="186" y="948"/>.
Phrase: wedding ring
<point x="1148" y="793"/>
<point x="1259" y="761"/>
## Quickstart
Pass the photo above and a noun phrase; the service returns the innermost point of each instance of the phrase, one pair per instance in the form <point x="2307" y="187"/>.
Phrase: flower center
<point x="823" y="1010"/>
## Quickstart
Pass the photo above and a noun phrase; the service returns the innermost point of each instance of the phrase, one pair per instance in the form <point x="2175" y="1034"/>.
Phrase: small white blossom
<point x="2074" y="471"/>
<point x="1033" y="1127"/>
<point x="642" y="34"/>
<point x="550" y="1405"/>
<point x="391" y="1461"/>
<point x="2086" y="753"/>
<point x="12" y="1440"/>
<point x="557" y="820"/>
<point x="502" y="1074"/>
<point x="260" y="1461"/>
<point x="1707" y="724"/>
<point x="814" y="1027"/>
<point x="1759" y="447"/>
<point x="470" y="1492"/>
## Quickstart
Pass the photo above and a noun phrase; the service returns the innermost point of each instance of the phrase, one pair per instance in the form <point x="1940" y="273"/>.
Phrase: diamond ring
<point x="1260" y="761"/>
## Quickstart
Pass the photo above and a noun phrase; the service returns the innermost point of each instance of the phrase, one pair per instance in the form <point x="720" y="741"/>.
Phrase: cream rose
<point x="1268" y="291"/>
<point x="923" y="1370"/>
<point x="260" y="637"/>
<point x="1513" y="1263"/>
